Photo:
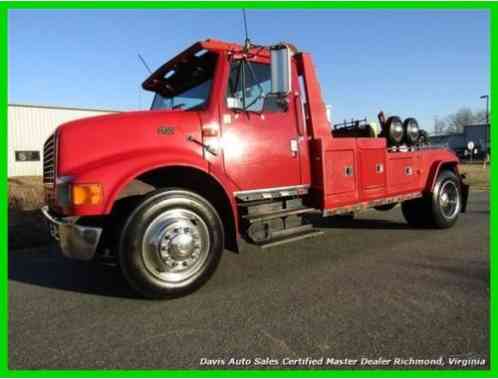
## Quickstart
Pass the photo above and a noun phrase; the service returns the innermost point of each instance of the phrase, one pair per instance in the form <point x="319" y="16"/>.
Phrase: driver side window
<point x="248" y="84"/>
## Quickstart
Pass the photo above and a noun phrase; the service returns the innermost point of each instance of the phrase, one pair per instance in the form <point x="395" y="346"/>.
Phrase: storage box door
<point x="372" y="172"/>
<point x="341" y="173"/>
<point x="402" y="172"/>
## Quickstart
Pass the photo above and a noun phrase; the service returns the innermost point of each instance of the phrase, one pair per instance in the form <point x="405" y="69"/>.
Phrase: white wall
<point x="30" y="126"/>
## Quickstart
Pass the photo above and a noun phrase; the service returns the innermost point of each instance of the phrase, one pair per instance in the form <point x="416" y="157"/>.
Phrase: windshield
<point x="248" y="85"/>
<point x="187" y="85"/>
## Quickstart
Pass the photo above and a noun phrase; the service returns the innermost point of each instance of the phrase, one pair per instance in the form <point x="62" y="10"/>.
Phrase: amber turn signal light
<point x="87" y="194"/>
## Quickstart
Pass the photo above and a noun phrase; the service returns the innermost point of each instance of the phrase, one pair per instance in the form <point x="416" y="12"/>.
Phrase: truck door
<point x="260" y="136"/>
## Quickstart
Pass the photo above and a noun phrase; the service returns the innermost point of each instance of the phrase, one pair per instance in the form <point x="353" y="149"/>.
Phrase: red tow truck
<point x="237" y="146"/>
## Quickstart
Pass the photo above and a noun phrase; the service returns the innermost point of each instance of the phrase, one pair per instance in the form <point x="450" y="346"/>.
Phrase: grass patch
<point x="27" y="227"/>
<point x="25" y="193"/>
<point x="477" y="176"/>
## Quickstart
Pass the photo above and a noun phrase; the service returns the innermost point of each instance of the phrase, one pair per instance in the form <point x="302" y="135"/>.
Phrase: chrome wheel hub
<point x="449" y="199"/>
<point x="444" y="199"/>
<point x="181" y="245"/>
<point x="175" y="245"/>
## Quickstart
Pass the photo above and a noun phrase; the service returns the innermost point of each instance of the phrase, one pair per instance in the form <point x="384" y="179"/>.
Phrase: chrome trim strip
<point x="275" y="189"/>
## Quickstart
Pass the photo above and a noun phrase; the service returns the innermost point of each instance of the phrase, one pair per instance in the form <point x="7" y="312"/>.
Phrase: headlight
<point x="63" y="191"/>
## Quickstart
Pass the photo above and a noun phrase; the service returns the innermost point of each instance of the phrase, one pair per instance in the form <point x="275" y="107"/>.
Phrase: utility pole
<point x="486" y="136"/>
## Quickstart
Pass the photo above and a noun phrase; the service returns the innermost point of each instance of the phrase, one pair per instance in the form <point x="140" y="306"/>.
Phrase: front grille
<point x="49" y="151"/>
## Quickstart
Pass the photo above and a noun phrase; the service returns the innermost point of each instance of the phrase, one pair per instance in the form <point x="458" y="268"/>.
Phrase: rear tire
<point x="441" y="208"/>
<point x="171" y="244"/>
<point x="446" y="200"/>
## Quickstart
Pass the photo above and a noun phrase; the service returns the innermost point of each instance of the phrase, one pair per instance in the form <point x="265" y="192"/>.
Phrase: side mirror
<point x="280" y="70"/>
<point x="275" y="103"/>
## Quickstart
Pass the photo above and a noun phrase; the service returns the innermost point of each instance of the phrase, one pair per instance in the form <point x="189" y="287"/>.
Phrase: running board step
<point x="291" y="238"/>
<point x="279" y="214"/>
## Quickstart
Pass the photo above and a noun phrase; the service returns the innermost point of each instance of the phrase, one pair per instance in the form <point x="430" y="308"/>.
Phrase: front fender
<point x="116" y="173"/>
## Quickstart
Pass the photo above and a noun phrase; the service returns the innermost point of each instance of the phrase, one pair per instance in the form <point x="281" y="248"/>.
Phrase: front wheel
<point x="439" y="209"/>
<point x="171" y="243"/>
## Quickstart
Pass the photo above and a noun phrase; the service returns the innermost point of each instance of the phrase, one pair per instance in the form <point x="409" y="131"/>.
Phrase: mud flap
<point x="465" y="196"/>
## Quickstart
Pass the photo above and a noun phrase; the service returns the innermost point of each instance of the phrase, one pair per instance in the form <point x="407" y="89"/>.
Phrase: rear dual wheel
<point x="171" y="244"/>
<point x="439" y="209"/>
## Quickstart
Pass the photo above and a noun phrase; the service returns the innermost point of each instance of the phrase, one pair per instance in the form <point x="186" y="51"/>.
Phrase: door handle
<point x="348" y="170"/>
<point x="294" y="147"/>
<point x="208" y="148"/>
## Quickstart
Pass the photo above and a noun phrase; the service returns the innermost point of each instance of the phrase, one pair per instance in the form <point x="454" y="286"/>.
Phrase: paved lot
<point x="368" y="288"/>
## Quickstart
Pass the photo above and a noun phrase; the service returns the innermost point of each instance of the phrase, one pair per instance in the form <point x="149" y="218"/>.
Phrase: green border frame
<point x="5" y="6"/>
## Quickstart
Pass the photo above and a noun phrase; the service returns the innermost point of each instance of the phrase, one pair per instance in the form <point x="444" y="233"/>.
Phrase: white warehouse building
<point x="28" y="128"/>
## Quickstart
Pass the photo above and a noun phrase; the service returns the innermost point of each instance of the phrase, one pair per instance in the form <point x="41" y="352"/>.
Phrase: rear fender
<point x="436" y="168"/>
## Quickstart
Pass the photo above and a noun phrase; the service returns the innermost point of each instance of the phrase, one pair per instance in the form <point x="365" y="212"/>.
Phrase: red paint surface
<point x="253" y="150"/>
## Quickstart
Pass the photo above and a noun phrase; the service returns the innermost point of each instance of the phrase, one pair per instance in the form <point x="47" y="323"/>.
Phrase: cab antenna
<point x="144" y="63"/>
<point x="247" y="43"/>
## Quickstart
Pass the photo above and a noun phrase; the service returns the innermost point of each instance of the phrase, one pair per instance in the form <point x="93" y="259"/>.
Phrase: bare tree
<point x="480" y="117"/>
<point x="439" y="125"/>
<point x="455" y="122"/>
<point x="459" y="119"/>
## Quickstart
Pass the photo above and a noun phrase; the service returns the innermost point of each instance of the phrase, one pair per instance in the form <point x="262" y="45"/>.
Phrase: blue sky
<point x="406" y="62"/>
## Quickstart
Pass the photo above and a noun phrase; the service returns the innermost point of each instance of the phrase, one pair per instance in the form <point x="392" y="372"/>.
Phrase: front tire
<point x="171" y="244"/>
<point x="441" y="208"/>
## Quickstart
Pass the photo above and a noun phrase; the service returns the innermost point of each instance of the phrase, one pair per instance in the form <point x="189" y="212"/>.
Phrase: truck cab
<point x="237" y="146"/>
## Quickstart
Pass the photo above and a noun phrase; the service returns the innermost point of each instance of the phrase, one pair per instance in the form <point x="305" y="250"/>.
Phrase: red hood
<point x="91" y="141"/>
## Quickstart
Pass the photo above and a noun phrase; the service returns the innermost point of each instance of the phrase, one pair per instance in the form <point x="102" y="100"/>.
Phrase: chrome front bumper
<point x="76" y="241"/>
